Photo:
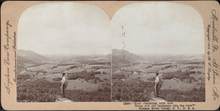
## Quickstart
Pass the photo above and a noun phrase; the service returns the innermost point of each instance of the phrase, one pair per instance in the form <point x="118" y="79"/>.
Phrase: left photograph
<point x="64" y="53"/>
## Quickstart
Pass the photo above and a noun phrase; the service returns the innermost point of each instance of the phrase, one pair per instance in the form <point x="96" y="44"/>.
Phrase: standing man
<point x="63" y="84"/>
<point x="157" y="80"/>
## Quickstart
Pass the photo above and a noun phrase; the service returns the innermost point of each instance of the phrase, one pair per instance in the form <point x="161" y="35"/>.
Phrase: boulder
<point x="63" y="100"/>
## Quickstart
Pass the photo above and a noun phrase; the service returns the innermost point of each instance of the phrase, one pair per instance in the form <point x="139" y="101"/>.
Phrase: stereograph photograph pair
<point x="110" y="55"/>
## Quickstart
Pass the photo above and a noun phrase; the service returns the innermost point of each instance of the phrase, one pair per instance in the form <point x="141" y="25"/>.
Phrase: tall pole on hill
<point x="123" y="42"/>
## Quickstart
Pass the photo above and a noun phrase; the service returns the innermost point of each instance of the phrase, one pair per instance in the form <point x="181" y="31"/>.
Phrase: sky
<point x="65" y="28"/>
<point x="158" y="28"/>
<point x="78" y="28"/>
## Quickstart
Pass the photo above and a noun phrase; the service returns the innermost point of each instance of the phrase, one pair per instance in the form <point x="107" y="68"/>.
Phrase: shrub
<point x="57" y="79"/>
<point x="166" y="67"/>
<point x="72" y="67"/>
<point x="168" y="76"/>
<point x="151" y="78"/>
<point x="23" y="77"/>
<point x="54" y="67"/>
<point x="121" y="76"/>
<point x="117" y="96"/>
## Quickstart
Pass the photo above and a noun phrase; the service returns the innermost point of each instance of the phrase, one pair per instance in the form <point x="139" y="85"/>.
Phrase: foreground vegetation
<point x="37" y="91"/>
<point x="41" y="90"/>
<point x="132" y="90"/>
<point x="195" y="95"/>
<point x="138" y="90"/>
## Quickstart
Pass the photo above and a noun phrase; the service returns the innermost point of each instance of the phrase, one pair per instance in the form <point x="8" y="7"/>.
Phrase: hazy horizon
<point x="140" y="54"/>
<point x="62" y="54"/>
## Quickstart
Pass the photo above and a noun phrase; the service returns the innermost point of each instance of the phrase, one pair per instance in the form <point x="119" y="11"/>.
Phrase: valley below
<point x="105" y="78"/>
<point x="88" y="78"/>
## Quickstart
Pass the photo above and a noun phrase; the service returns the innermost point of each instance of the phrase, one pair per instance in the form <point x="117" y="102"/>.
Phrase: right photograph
<point x="158" y="53"/>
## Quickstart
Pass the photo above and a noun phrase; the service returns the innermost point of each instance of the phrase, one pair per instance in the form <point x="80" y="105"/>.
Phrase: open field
<point x="88" y="80"/>
<point x="180" y="81"/>
<point x="41" y="67"/>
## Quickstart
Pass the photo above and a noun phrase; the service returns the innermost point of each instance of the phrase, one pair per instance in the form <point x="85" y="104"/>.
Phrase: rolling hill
<point x="117" y="57"/>
<point x="27" y="56"/>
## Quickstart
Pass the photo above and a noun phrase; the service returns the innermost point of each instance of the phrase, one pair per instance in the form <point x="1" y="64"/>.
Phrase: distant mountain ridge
<point x="28" y="56"/>
<point x="123" y="56"/>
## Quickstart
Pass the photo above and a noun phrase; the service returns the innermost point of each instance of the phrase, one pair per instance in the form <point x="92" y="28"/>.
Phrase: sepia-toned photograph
<point x="158" y="53"/>
<point x="64" y="54"/>
<point x="110" y="55"/>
